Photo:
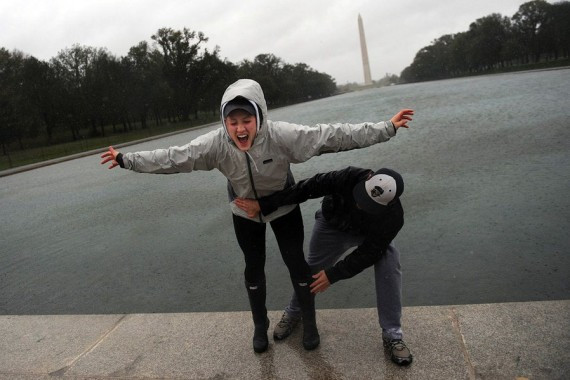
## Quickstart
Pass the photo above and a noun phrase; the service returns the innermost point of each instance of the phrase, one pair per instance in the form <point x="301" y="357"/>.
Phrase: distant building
<point x="364" y="49"/>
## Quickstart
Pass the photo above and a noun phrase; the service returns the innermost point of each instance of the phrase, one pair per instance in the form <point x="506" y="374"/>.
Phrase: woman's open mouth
<point x="242" y="139"/>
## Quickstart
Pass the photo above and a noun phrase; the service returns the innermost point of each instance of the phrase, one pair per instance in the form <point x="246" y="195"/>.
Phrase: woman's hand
<point x="110" y="155"/>
<point x="321" y="282"/>
<point x="251" y="206"/>
<point x="401" y="118"/>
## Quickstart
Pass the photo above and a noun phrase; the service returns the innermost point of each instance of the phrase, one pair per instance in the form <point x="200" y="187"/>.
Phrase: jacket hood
<point x="251" y="90"/>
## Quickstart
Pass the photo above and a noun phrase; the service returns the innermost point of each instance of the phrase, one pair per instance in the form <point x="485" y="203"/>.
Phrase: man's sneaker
<point x="399" y="352"/>
<point x="285" y="326"/>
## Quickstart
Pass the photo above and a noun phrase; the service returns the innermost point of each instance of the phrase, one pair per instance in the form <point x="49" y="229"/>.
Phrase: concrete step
<point x="528" y="340"/>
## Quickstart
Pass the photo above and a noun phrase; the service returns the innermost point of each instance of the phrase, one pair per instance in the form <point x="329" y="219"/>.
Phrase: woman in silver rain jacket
<point x="254" y="154"/>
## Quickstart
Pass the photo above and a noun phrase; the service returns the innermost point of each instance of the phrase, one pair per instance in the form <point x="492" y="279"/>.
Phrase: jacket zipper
<point x="252" y="184"/>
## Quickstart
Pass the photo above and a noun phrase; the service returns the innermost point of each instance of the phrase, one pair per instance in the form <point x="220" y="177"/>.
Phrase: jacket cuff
<point x="266" y="207"/>
<point x="332" y="275"/>
<point x="391" y="128"/>
<point x="119" y="160"/>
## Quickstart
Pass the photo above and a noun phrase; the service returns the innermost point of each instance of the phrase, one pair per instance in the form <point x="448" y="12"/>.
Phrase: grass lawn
<point x="33" y="155"/>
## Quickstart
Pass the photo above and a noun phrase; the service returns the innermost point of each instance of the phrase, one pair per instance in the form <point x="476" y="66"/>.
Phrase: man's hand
<point x="110" y="155"/>
<point x="401" y="118"/>
<point x="321" y="282"/>
<point x="251" y="206"/>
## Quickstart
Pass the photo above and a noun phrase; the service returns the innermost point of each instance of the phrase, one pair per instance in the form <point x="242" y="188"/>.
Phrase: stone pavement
<point x="528" y="340"/>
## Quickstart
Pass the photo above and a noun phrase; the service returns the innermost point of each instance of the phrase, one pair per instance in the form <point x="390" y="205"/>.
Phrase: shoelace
<point x="397" y="345"/>
<point x="286" y="320"/>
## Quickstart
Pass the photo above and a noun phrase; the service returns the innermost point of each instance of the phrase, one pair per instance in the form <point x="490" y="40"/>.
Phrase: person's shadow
<point x="315" y="363"/>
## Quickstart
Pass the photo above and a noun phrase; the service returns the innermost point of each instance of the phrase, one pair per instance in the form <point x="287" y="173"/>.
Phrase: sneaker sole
<point x="403" y="362"/>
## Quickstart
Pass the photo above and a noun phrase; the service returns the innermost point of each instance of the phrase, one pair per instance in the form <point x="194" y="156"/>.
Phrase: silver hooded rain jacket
<point x="264" y="168"/>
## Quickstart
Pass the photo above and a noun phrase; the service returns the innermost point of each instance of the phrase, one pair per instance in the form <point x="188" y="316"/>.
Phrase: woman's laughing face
<point x="242" y="128"/>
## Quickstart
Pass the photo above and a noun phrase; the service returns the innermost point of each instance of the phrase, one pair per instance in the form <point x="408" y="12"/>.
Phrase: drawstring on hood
<point x="252" y="160"/>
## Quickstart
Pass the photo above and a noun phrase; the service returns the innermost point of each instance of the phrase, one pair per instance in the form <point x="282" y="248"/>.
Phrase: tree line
<point x="537" y="32"/>
<point x="87" y="91"/>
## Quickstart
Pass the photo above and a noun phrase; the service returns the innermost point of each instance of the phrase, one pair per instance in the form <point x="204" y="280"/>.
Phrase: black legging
<point x="289" y="232"/>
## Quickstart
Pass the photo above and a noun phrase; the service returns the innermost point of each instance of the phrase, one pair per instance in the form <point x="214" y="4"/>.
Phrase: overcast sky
<point x="320" y="33"/>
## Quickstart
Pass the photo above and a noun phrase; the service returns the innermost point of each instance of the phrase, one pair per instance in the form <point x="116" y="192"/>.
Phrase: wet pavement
<point x="487" y="213"/>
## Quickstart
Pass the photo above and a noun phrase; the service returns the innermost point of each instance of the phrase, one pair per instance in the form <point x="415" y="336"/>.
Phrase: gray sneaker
<point x="398" y="351"/>
<point x="285" y="326"/>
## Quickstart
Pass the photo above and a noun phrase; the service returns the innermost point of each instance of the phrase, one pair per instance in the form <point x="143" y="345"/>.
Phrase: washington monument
<point x="365" y="64"/>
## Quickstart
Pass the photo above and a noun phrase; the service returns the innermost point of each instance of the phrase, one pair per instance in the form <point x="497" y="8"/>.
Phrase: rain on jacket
<point x="265" y="167"/>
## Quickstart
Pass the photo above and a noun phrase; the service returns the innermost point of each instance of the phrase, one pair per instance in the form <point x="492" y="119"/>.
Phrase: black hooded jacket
<point x="341" y="211"/>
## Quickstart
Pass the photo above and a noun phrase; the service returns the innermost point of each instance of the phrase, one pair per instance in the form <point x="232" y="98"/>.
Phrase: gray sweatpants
<point x="328" y="244"/>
